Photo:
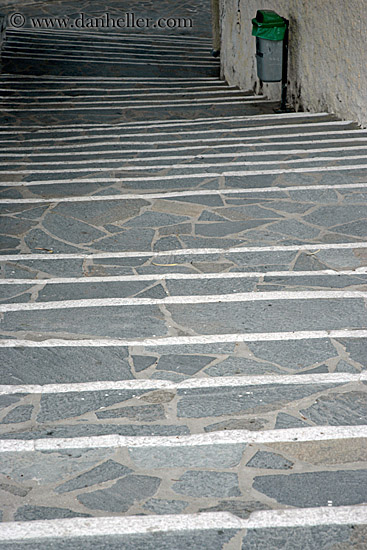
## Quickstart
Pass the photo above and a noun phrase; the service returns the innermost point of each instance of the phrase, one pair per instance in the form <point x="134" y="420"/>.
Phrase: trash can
<point x="269" y="29"/>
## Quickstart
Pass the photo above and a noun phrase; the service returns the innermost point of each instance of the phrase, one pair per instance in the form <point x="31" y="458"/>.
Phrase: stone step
<point x="213" y="131"/>
<point x="162" y="223"/>
<point x="176" y="358"/>
<point x="271" y="261"/>
<point x="153" y="286"/>
<point x="264" y="400"/>
<point x="264" y="530"/>
<point x="236" y="471"/>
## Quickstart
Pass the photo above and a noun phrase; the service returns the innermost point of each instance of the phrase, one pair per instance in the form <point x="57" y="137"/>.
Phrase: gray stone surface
<point x="32" y="513"/>
<point x="341" y="487"/>
<point x="143" y="413"/>
<point x="161" y="506"/>
<point x="345" y="409"/>
<point x="19" y="414"/>
<point x="269" y="461"/>
<point x="122" y="494"/>
<point x="203" y="456"/>
<point x="207" y="484"/>
<point x="104" y="472"/>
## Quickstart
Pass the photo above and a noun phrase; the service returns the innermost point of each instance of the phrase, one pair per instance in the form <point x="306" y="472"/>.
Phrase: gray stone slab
<point x="161" y="506"/>
<point x="33" y="513"/>
<point x="237" y="507"/>
<point x="23" y="413"/>
<point x="207" y="484"/>
<point x="126" y="322"/>
<point x="122" y="494"/>
<point x="185" y="364"/>
<point x="241" y="365"/>
<point x="313" y="538"/>
<point x="104" y="472"/>
<point x="269" y="461"/>
<point x="50" y="467"/>
<point x="285" y="421"/>
<point x="305" y="490"/>
<point x="252" y="424"/>
<point x="142" y="362"/>
<point x="292" y="315"/>
<point x="344" y="409"/>
<point x="63" y="365"/>
<point x="203" y="456"/>
<point x="143" y="413"/>
<point x="206" y="402"/>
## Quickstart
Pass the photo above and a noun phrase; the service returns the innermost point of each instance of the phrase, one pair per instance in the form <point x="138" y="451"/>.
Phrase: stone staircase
<point x="184" y="328"/>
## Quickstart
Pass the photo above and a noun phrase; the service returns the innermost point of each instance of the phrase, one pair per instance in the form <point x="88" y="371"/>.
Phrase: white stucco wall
<point x="327" y="56"/>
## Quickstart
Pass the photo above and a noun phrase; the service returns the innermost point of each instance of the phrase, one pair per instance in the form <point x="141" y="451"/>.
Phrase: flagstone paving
<point x="183" y="335"/>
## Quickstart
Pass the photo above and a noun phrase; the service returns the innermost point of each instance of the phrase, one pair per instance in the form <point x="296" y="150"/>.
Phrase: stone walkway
<point x="184" y="283"/>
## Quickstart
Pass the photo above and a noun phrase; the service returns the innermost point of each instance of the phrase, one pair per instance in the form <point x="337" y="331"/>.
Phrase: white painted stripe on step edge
<point x="226" y="130"/>
<point x="107" y="61"/>
<point x="183" y="252"/>
<point x="187" y="340"/>
<point x="231" y="89"/>
<point x="29" y="93"/>
<point x="79" y="528"/>
<point x="172" y="194"/>
<point x="188" y="276"/>
<point x="180" y="523"/>
<point x="193" y="383"/>
<point x="165" y="122"/>
<point x="179" y="166"/>
<point x="205" y="131"/>
<point x="254" y="140"/>
<point x="149" y="105"/>
<point x="7" y="77"/>
<point x="235" y="155"/>
<point x="185" y="300"/>
<point x="203" y="175"/>
<point x="230" y="437"/>
<point x="61" y="150"/>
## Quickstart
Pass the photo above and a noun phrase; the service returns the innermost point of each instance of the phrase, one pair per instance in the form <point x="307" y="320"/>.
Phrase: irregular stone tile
<point x="287" y="421"/>
<point x="345" y="409"/>
<point x="208" y="216"/>
<point x="343" y="366"/>
<point x="36" y="238"/>
<point x="128" y="240"/>
<point x="122" y="495"/>
<point x="32" y="513"/>
<point x="70" y="229"/>
<point x="156" y="219"/>
<point x="68" y="365"/>
<point x="142" y="362"/>
<point x="14" y="490"/>
<point x="159" y="396"/>
<point x="103" y="212"/>
<point x="9" y="243"/>
<point x="144" y="413"/>
<point x="186" y="364"/>
<point x="157" y="292"/>
<point x="237" y="507"/>
<point x="126" y="322"/>
<point x="342" y="451"/>
<point x="296" y="354"/>
<point x="50" y="467"/>
<point x="357" y="349"/>
<point x="252" y="424"/>
<point x="104" y="472"/>
<point x="295" y="228"/>
<point x="15" y="226"/>
<point x="240" y="365"/>
<point x="167" y="243"/>
<point x="270" y="461"/>
<point x="222" y="229"/>
<point x="326" y="216"/>
<point x="207" y="286"/>
<point x="205" y="402"/>
<point x="23" y="413"/>
<point x="204" y="456"/>
<point x="7" y="400"/>
<point x="67" y="405"/>
<point x="292" y="538"/>
<point x="207" y="484"/>
<point x="161" y="506"/>
<point x="342" y="488"/>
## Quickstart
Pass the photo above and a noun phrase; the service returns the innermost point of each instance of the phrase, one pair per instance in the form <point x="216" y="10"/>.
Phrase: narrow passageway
<point x="183" y="313"/>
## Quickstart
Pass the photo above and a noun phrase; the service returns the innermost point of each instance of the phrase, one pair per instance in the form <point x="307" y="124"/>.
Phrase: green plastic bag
<point x="269" y="25"/>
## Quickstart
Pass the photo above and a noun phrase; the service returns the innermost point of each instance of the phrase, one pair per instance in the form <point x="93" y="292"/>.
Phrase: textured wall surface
<point x="328" y="53"/>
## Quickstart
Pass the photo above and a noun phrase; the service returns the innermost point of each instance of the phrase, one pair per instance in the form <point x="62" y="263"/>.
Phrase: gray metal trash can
<point x="269" y="29"/>
<point x="269" y="58"/>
